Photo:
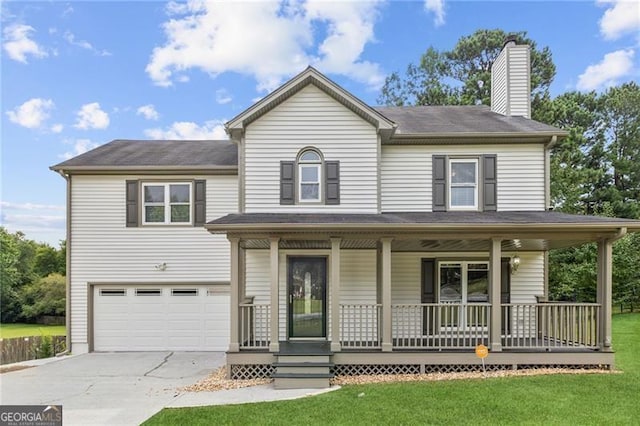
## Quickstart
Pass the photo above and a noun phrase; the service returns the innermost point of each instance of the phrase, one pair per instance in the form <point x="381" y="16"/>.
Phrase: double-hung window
<point x="310" y="176"/>
<point x="463" y="184"/>
<point x="167" y="203"/>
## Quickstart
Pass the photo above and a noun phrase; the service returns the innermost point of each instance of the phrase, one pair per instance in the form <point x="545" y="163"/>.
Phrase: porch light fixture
<point x="515" y="264"/>
<point x="161" y="266"/>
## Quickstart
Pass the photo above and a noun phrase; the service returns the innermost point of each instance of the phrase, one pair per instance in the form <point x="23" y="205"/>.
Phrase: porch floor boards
<point x="305" y="348"/>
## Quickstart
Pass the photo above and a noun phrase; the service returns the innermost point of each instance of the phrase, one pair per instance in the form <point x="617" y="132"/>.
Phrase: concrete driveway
<point x="123" y="388"/>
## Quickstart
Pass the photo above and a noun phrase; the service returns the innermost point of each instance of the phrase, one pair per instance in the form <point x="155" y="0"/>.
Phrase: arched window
<point x="309" y="176"/>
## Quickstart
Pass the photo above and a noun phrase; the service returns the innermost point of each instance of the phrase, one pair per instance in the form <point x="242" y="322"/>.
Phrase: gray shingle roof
<point x="444" y="218"/>
<point x="156" y="153"/>
<point x="427" y="120"/>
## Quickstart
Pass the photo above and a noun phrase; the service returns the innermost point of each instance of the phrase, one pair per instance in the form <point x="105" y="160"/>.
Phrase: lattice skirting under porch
<point x="263" y="371"/>
<point x="252" y="371"/>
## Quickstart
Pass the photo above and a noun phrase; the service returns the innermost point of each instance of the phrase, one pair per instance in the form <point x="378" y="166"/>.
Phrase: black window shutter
<point x="505" y="291"/>
<point x="287" y="182"/>
<point x="439" y="183"/>
<point x="490" y="184"/>
<point x="132" y="195"/>
<point x="332" y="176"/>
<point x="199" y="202"/>
<point x="429" y="294"/>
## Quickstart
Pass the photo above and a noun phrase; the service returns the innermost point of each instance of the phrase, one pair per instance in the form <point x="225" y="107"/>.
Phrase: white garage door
<point x="162" y="317"/>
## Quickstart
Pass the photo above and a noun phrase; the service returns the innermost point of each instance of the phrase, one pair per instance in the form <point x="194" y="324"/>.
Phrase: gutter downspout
<point x="68" y="267"/>
<point x="621" y="233"/>
<point x="547" y="172"/>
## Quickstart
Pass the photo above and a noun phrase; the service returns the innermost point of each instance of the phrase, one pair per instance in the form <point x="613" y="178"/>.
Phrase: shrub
<point x="44" y="297"/>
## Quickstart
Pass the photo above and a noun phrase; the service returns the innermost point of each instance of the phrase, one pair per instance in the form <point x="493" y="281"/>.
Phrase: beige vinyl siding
<point x="499" y="84"/>
<point x="528" y="281"/>
<point x="519" y="91"/>
<point x="510" y="82"/>
<point x="311" y="118"/>
<point x="406" y="175"/>
<point x="357" y="272"/>
<point x="103" y="250"/>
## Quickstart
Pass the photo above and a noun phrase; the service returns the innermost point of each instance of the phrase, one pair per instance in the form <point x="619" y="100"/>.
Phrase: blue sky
<point x="75" y="75"/>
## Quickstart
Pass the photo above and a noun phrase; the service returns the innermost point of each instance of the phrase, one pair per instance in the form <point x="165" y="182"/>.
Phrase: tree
<point x="22" y="263"/>
<point x="47" y="260"/>
<point x="462" y="76"/>
<point x="571" y="174"/>
<point x="46" y="296"/>
<point x="617" y="151"/>
<point x="9" y="277"/>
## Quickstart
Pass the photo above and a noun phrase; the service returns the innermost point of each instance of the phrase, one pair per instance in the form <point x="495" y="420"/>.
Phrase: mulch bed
<point x="217" y="380"/>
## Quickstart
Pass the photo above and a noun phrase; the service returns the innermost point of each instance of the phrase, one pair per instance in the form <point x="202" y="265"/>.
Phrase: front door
<point x="307" y="284"/>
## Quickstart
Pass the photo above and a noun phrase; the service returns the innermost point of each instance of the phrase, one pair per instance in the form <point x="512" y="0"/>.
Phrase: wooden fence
<point x="20" y="349"/>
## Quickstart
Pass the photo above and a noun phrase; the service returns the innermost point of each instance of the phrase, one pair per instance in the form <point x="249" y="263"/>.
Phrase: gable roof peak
<point x="309" y="75"/>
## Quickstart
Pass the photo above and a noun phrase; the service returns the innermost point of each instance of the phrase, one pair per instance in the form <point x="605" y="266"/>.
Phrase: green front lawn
<point x="8" y="331"/>
<point x="560" y="399"/>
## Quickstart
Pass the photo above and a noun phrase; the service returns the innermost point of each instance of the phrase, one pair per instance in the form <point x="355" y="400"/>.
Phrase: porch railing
<point x="360" y="325"/>
<point x="440" y="326"/>
<point x="550" y="325"/>
<point x="255" y="328"/>
<point x="448" y="326"/>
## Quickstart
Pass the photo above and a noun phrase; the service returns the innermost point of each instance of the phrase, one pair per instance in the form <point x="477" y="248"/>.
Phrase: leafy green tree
<point x="462" y="76"/>
<point x="626" y="271"/>
<point x="47" y="260"/>
<point x="9" y="277"/>
<point x="617" y="151"/>
<point x="576" y="113"/>
<point x="22" y="263"/>
<point x="46" y="296"/>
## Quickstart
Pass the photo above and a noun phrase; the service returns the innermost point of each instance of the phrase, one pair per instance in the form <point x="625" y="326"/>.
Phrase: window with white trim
<point x="309" y="176"/>
<point x="167" y="203"/>
<point x="464" y="282"/>
<point x="463" y="184"/>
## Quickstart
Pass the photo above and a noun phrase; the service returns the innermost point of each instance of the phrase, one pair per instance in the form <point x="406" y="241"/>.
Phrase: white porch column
<point x="234" y="340"/>
<point x="604" y="292"/>
<point x="495" y="332"/>
<point x="387" y="345"/>
<point x="274" y="344"/>
<point x="335" y="294"/>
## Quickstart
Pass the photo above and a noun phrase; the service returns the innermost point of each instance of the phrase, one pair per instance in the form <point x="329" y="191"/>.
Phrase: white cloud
<point x="68" y="11"/>
<point x="189" y="130"/>
<point x="350" y="28"/>
<point x="607" y="72"/>
<point x="31" y="114"/>
<point x="8" y="205"/>
<point x="621" y="17"/>
<point x="83" y="44"/>
<point x="19" y="45"/>
<point x="57" y="128"/>
<point x="41" y="222"/>
<point x="212" y="37"/>
<point x="148" y="111"/>
<point x="91" y="116"/>
<point x="437" y="8"/>
<point x="80" y="146"/>
<point x="223" y="96"/>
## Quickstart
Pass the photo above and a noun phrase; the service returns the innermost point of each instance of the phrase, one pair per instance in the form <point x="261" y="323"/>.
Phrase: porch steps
<point x="303" y="365"/>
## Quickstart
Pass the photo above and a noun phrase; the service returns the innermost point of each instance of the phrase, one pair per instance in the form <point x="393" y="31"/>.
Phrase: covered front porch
<point x="421" y="294"/>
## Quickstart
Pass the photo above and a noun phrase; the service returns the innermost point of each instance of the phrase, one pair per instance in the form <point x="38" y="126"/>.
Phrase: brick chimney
<point x="511" y="80"/>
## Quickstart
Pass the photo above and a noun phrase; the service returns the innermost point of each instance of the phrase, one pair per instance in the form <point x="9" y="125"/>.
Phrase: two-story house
<point x="331" y="237"/>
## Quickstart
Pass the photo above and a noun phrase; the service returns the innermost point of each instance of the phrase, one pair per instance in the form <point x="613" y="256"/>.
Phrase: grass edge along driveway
<point x="557" y="399"/>
<point x="8" y="331"/>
